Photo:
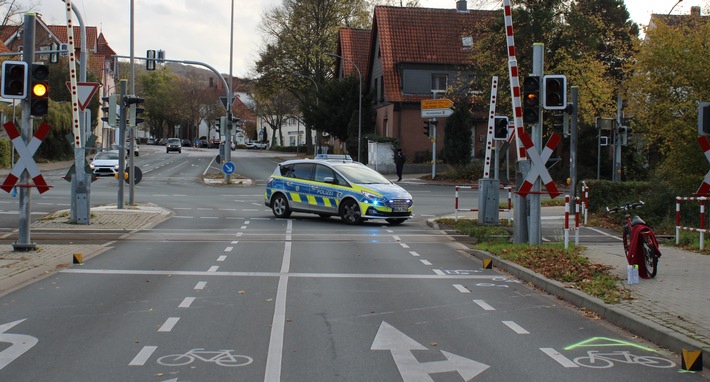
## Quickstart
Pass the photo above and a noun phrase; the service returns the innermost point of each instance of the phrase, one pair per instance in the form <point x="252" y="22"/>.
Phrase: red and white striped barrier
<point x="456" y="202"/>
<point x="576" y="221"/>
<point x="491" y="127"/>
<point x="514" y="76"/>
<point x="701" y="200"/>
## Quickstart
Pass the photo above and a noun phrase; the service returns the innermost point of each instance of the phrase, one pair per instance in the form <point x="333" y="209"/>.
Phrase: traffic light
<point x="134" y="111"/>
<point x="624" y="134"/>
<point x="133" y="103"/>
<point x="554" y="92"/>
<point x="39" y="89"/>
<point x="150" y="60"/>
<point x="218" y="124"/>
<point x="14" y="79"/>
<point x="500" y="128"/>
<point x="109" y="111"/>
<point x="704" y="118"/>
<point x="426" y="129"/>
<point x="558" y="123"/>
<point x="531" y="99"/>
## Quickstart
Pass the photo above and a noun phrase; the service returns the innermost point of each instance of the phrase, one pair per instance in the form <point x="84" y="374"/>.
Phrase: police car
<point x="338" y="186"/>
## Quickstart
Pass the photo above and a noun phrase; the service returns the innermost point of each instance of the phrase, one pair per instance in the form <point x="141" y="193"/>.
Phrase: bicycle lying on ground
<point x="640" y="244"/>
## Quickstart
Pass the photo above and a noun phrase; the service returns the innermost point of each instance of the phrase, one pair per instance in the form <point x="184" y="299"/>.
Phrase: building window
<point x="467" y="41"/>
<point x="439" y="82"/>
<point x="382" y="89"/>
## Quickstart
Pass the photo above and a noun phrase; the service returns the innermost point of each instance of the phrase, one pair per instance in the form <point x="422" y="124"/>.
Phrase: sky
<point x="199" y="30"/>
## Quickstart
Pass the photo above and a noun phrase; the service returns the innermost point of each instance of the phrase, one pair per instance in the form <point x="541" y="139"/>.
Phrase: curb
<point x="633" y="323"/>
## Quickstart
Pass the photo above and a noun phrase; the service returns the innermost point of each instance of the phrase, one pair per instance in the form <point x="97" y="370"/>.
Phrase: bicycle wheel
<point x="651" y="259"/>
<point x="176" y="360"/>
<point x="652" y="361"/>
<point x="233" y="360"/>
<point x="594" y="362"/>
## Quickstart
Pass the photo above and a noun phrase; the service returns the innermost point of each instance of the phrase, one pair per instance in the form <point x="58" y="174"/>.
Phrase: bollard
<point x="692" y="360"/>
<point x="77" y="259"/>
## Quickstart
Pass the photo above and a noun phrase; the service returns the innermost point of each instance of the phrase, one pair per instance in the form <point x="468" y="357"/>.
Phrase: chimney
<point x="695" y="10"/>
<point x="461" y="6"/>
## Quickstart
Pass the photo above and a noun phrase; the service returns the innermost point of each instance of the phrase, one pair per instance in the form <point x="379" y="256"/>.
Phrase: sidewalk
<point x="671" y="310"/>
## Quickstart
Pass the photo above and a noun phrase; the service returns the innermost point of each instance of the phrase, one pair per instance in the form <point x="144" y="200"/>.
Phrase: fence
<point x="701" y="200"/>
<point x="456" y="203"/>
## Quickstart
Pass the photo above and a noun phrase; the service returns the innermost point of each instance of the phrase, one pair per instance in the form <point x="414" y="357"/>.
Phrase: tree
<point x="457" y="134"/>
<point x="275" y="111"/>
<point x="671" y="75"/>
<point x="298" y="35"/>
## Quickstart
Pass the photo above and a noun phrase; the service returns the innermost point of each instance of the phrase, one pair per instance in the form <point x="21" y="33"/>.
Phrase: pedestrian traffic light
<point x="554" y="92"/>
<point x="14" y="79"/>
<point x="426" y="128"/>
<point x="109" y="111"/>
<point x="39" y="89"/>
<point x="500" y="128"/>
<point x="531" y="99"/>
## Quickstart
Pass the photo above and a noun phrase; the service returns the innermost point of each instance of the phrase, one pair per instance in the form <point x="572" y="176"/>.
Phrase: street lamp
<point x="317" y="94"/>
<point x="359" y="106"/>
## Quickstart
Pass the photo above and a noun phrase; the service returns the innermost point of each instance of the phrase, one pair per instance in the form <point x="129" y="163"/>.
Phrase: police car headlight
<point x="373" y="198"/>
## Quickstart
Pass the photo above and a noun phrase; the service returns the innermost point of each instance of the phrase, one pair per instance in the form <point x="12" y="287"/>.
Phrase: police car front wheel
<point x="350" y="212"/>
<point x="279" y="206"/>
<point x="395" y="221"/>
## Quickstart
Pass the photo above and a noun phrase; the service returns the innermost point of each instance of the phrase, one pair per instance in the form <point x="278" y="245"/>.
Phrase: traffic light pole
<point x="23" y="242"/>
<point x="534" y="209"/>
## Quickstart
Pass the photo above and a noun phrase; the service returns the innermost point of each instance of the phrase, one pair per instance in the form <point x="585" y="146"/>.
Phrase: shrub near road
<point x="567" y="266"/>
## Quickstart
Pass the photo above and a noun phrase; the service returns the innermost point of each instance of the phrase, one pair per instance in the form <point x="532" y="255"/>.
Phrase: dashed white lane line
<point x="396" y="238"/>
<point x="404" y="245"/>
<point x="461" y="288"/>
<point x="438" y="272"/>
<point x="484" y="305"/>
<point x="414" y="253"/>
<point x="222" y="258"/>
<point x="228" y="249"/>
<point x="562" y="360"/>
<point x="234" y="242"/>
<point x="515" y="327"/>
<point x="169" y="324"/>
<point x="201" y="285"/>
<point x="143" y="356"/>
<point x="425" y="262"/>
<point x="213" y="268"/>
<point x="186" y="302"/>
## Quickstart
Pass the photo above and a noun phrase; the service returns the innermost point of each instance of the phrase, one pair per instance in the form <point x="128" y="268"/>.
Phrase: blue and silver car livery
<point x="342" y="188"/>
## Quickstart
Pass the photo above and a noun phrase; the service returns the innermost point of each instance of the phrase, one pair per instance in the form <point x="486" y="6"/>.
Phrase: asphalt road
<point x="223" y="291"/>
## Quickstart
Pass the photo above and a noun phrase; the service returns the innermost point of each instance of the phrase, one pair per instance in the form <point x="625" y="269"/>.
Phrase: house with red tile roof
<point x="414" y="54"/>
<point x="99" y="54"/>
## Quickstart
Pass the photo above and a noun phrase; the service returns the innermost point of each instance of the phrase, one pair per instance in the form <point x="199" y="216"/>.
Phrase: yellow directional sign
<point x="442" y="103"/>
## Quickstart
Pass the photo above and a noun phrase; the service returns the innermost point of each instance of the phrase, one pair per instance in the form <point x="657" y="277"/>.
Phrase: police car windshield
<point x="360" y="174"/>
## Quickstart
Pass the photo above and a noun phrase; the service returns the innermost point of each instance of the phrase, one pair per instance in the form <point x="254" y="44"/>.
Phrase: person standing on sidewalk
<point x="399" y="160"/>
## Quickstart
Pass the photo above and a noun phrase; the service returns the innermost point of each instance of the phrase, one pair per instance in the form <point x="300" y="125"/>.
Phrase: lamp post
<point x="359" y="106"/>
<point x="318" y="139"/>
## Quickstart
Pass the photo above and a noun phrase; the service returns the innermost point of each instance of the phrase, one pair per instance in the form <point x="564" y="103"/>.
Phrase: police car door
<point x="299" y="186"/>
<point x="324" y="191"/>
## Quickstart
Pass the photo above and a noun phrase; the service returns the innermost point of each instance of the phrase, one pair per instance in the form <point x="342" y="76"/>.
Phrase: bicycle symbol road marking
<point x="595" y="359"/>
<point x="219" y="357"/>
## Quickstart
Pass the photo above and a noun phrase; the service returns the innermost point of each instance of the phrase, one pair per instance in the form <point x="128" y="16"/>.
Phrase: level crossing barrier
<point x="475" y="187"/>
<point x="702" y="230"/>
<point x="585" y="201"/>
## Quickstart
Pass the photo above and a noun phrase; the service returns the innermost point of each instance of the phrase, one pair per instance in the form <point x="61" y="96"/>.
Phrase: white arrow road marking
<point x="411" y="370"/>
<point x="20" y="343"/>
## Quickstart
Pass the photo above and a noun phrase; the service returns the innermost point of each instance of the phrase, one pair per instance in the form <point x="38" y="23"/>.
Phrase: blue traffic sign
<point x="228" y="168"/>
